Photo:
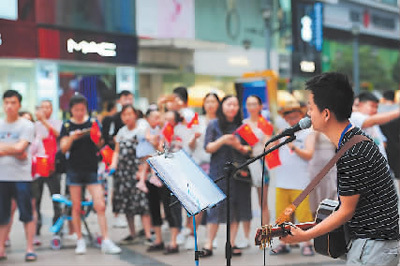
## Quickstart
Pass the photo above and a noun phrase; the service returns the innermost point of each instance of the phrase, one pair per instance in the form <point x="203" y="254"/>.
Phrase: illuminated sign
<point x="102" y="49"/>
<point x="307" y="66"/>
<point x="306" y="30"/>
<point x="1" y="40"/>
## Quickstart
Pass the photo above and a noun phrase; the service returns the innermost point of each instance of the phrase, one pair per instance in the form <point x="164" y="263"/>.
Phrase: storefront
<point x="54" y="64"/>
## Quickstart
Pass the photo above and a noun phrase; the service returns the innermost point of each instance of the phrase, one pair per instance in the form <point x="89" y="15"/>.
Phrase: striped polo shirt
<point x="364" y="171"/>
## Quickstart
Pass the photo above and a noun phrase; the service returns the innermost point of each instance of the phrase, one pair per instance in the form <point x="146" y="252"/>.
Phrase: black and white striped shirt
<point x="363" y="171"/>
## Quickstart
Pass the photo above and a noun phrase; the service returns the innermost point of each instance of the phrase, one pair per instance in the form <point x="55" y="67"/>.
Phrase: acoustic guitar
<point x="333" y="244"/>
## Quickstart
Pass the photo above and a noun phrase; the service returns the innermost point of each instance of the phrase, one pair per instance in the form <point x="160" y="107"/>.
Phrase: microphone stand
<point x="230" y="170"/>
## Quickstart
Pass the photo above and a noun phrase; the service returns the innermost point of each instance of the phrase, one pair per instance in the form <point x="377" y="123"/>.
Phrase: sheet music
<point x="187" y="181"/>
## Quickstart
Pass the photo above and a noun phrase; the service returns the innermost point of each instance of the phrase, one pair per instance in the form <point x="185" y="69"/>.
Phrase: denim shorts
<point x="373" y="252"/>
<point x="21" y="192"/>
<point x="80" y="178"/>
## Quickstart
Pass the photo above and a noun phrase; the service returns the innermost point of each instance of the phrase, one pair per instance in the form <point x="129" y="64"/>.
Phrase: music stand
<point x="188" y="182"/>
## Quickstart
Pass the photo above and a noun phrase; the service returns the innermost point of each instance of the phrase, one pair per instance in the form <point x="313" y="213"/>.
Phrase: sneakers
<point x="156" y="247"/>
<point x="36" y="241"/>
<point x="71" y="237"/>
<point x="189" y="244"/>
<point x="108" y="247"/>
<point x="180" y="238"/>
<point x="80" y="247"/>
<point x="120" y="222"/>
<point x="148" y="242"/>
<point x="129" y="240"/>
<point x="244" y="243"/>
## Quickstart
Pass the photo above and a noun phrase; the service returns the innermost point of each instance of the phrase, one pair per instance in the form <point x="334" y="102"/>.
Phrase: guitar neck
<point x="278" y="231"/>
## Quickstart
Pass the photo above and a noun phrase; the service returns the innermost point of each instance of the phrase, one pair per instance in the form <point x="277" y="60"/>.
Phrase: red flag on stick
<point x="168" y="132"/>
<point x="194" y="121"/>
<point x="50" y="148"/>
<point x="247" y="134"/>
<point x="272" y="159"/>
<point x="95" y="133"/>
<point x="107" y="154"/>
<point x="265" y="126"/>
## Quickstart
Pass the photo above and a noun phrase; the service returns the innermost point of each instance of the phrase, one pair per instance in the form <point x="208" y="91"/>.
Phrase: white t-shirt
<point x="293" y="173"/>
<point x="124" y="133"/>
<point x="13" y="169"/>
<point x="199" y="153"/>
<point x="358" y="119"/>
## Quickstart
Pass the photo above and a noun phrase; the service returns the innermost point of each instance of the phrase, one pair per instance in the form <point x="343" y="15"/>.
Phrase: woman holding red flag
<point x="227" y="147"/>
<point x="263" y="130"/>
<point x="77" y="142"/>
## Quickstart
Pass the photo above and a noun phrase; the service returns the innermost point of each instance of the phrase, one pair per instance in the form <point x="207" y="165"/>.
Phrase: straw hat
<point x="292" y="106"/>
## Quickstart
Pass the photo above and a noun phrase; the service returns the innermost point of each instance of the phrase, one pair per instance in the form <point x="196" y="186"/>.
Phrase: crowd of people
<point x="211" y="139"/>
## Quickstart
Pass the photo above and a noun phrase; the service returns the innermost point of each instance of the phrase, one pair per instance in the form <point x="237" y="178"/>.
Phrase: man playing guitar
<point x="368" y="199"/>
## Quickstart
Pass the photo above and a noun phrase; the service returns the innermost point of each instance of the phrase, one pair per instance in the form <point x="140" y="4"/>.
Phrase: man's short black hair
<point x="110" y="106"/>
<point x="12" y="93"/>
<point x="182" y="93"/>
<point x="76" y="99"/>
<point x="124" y="93"/>
<point x="367" y="96"/>
<point x="332" y="91"/>
<point x="388" y="95"/>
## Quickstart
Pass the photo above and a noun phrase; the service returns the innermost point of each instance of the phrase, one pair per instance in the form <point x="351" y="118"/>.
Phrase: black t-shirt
<point x="111" y="125"/>
<point x="83" y="153"/>
<point x="364" y="171"/>
<point x="391" y="131"/>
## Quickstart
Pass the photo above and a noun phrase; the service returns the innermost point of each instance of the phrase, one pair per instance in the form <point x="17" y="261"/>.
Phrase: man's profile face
<point x="11" y="106"/>
<point x="368" y="107"/>
<point x="317" y="117"/>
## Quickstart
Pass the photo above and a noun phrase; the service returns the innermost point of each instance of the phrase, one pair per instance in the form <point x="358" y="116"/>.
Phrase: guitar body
<point x="333" y="244"/>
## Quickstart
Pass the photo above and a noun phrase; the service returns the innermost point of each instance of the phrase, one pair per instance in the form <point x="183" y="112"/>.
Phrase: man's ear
<point x="327" y="114"/>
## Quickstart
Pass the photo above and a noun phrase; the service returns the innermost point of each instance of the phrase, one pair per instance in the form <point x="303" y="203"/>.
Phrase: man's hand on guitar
<point x="297" y="235"/>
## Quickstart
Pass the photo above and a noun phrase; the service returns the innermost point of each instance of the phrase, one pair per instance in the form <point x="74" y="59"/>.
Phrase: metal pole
<point x="356" y="61"/>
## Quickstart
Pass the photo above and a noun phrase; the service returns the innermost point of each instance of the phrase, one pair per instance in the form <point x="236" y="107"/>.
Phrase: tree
<point x="372" y="69"/>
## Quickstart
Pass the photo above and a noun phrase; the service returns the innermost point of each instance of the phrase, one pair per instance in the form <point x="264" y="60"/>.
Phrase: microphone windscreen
<point x="305" y="123"/>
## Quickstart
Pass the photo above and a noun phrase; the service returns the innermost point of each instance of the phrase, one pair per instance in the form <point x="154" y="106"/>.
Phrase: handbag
<point x="243" y="175"/>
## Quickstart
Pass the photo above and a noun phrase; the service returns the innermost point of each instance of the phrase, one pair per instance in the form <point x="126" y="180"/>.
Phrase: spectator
<point x="111" y="125"/>
<point x="367" y="118"/>
<point x="292" y="175"/>
<point x="15" y="178"/>
<point x="81" y="152"/>
<point x="254" y="107"/>
<point x="391" y="130"/>
<point x="129" y="195"/>
<point x="226" y="147"/>
<point x="43" y="126"/>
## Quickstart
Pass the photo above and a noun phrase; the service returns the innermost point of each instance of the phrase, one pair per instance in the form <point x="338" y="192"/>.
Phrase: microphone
<point x="303" y="124"/>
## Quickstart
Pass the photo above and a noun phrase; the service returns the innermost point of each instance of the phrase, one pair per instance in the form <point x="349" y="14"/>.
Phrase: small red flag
<point x="107" y="154"/>
<point x="95" y="133"/>
<point x="42" y="166"/>
<point x="194" y="121"/>
<point x="265" y="126"/>
<point x="50" y="148"/>
<point x="247" y="134"/>
<point x="272" y="159"/>
<point x="168" y="132"/>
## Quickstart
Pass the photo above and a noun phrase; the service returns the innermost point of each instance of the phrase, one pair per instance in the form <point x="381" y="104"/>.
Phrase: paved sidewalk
<point x="137" y="255"/>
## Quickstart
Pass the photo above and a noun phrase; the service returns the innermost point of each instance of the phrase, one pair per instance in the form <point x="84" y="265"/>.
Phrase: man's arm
<point x="344" y="214"/>
<point x="8" y="149"/>
<point x="381" y="118"/>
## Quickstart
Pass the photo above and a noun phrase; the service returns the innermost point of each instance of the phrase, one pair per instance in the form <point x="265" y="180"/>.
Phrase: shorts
<point x="21" y="192"/>
<point x="373" y="252"/>
<point x="285" y="197"/>
<point x="75" y="178"/>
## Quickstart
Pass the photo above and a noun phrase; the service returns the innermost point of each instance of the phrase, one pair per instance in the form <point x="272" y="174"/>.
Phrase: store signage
<point x="307" y="66"/>
<point x="306" y="30"/>
<point x="85" y="47"/>
<point x="1" y="40"/>
<point x="10" y="39"/>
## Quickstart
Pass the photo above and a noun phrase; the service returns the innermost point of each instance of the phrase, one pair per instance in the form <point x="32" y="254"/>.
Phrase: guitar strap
<point x="285" y="215"/>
